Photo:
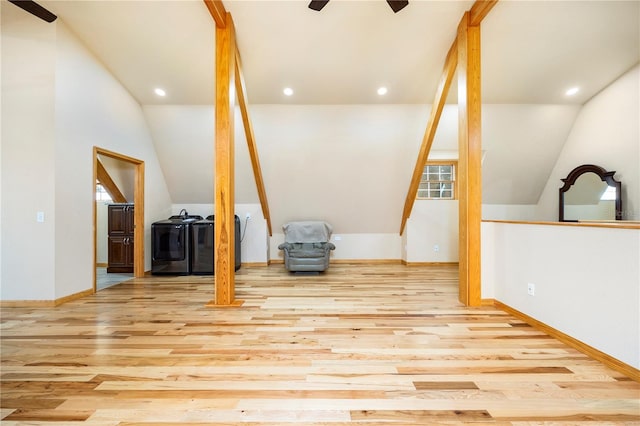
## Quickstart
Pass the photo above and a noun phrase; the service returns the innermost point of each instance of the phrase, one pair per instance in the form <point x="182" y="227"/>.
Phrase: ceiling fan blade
<point x="318" y="4"/>
<point x="397" y="5"/>
<point x="35" y="9"/>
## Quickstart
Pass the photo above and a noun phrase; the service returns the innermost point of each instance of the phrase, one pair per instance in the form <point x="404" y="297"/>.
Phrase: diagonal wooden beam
<point x="217" y="11"/>
<point x="109" y="185"/>
<point x="241" y="92"/>
<point x="432" y="125"/>
<point x="479" y="11"/>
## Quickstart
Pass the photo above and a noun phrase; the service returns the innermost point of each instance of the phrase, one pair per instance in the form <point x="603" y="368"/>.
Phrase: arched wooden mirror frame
<point x="605" y="176"/>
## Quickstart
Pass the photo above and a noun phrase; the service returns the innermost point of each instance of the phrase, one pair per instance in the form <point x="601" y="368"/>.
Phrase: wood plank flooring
<point x="359" y="344"/>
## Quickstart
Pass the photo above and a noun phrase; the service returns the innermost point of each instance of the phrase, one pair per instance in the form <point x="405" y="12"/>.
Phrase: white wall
<point x="28" y="170"/>
<point x="432" y="223"/>
<point x="75" y="104"/>
<point x="348" y="165"/>
<point x="606" y="133"/>
<point x="92" y="108"/>
<point x="370" y="246"/>
<point x="520" y="144"/>
<point x="587" y="280"/>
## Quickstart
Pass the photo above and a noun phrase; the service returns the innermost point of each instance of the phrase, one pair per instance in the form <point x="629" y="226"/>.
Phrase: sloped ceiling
<point x="532" y="52"/>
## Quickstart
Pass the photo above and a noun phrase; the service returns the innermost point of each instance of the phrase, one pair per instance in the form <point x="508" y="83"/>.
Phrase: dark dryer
<point x="171" y="245"/>
<point x="202" y="254"/>
<point x="202" y="240"/>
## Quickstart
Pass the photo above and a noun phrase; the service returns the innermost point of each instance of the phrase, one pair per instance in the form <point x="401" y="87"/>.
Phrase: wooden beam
<point x="218" y="12"/>
<point x="241" y="91"/>
<point x="430" y="132"/>
<point x="469" y="161"/>
<point x="224" y="166"/>
<point x="103" y="177"/>
<point x="479" y="11"/>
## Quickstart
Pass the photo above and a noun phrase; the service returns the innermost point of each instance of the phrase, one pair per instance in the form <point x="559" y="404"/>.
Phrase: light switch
<point x="40" y="217"/>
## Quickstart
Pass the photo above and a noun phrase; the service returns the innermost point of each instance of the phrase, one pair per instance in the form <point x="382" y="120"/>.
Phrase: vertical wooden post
<point x="469" y="161"/>
<point x="224" y="166"/>
<point x="138" y="217"/>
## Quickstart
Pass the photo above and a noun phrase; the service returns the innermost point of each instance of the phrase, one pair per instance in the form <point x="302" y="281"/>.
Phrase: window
<point x="438" y="181"/>
<point x="102" y="194"/>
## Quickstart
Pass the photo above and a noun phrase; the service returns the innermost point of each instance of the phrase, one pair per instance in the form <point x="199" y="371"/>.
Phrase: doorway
<point x="138" y="201"/>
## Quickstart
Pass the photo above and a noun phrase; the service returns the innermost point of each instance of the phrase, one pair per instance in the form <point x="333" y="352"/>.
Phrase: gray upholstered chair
<point x="306" y="246"/>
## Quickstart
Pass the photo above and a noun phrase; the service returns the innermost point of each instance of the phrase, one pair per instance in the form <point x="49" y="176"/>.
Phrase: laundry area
<point x="183" y="244"/>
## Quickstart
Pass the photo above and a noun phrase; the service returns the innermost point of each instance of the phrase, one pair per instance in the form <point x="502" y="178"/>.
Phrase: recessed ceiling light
<point x="572" y="91"/>
<point x="288" y="91"/>
<point x="382" y="91"/>
<point x="160" y="92"/>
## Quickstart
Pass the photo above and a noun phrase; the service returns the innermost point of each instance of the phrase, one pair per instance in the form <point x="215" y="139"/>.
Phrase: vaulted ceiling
<point x="532" y="52"/>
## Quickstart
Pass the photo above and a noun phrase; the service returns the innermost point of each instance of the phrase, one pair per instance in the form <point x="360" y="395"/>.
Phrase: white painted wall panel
<point x="28" y="173"/>
<point x="587" y="280"/>
<point x="55" y="110"/>
<point x="353" y="246"/>
<point x="93" y="109"/>
<point x="433" y="223"/>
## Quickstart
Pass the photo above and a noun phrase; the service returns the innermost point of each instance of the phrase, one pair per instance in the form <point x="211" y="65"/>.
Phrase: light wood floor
<point x="370" y="345"/>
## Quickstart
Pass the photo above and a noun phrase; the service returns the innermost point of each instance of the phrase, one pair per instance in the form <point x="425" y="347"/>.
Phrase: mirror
<point x="590" y="193"/>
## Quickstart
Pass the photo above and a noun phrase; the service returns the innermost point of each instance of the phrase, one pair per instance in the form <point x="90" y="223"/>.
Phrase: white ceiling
<point x="342" y="54"/>
<point x="532" y="51"/>
<point x="148" y="44"/>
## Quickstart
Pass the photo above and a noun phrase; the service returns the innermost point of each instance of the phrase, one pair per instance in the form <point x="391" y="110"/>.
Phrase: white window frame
<point x="445" y="185"/>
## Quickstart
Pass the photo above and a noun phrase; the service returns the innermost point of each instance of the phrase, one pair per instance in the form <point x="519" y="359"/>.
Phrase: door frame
<point x="138" y="214"/>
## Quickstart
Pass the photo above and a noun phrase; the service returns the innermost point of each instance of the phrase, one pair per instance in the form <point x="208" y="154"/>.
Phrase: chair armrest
<point x="285" y="246"/>
<point x="330" y="246"/>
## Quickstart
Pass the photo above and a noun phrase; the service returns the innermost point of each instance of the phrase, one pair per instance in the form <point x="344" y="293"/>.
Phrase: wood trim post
<point x="138" y="222"/>
<point x="241" y="90"/>
<point x="469" y="161"/>
<point x="224" y="166"/>
<point x="434" y="119"/>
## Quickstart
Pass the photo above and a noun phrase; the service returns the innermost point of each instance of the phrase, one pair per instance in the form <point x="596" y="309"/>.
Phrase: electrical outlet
<point x="40" y="217"/>
<point x="436" y="248"/>
<point x="248" y="216"/>
<point x="531" y="289"/>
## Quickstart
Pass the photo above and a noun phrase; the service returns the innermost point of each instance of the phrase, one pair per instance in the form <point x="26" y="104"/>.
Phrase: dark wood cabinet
<point x="121" y="225"/>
